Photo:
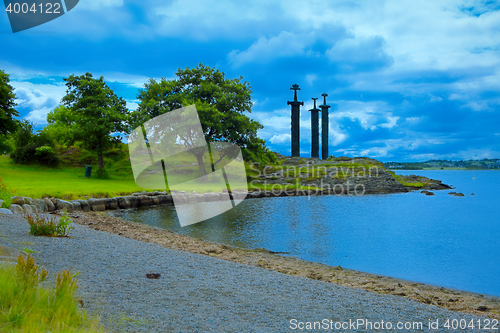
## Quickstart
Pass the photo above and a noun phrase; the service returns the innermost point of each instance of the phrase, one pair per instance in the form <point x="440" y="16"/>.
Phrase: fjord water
<point x="441" y="240"/>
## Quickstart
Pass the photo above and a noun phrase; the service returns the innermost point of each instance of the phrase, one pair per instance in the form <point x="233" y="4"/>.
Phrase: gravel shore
<point x="198" y="293"/>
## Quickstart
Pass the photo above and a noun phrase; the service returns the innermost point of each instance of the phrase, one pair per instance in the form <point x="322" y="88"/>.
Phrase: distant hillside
<point x="484" y="164"/>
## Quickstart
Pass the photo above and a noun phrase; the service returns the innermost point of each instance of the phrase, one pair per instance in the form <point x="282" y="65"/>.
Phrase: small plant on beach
<point x="44" y="225"/>
<point x="26" y="305"/>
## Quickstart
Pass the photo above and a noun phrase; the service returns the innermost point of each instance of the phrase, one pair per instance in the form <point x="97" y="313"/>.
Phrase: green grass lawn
<point x="69" y="183"/>
<point x="64" y="182"/>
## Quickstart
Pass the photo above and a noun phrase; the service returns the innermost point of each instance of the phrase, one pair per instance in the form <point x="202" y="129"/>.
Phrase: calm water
<point x="442" y="240"/>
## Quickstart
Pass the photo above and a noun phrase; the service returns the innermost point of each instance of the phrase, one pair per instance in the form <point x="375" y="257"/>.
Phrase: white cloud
<point x="39" y="117"/>
<point x="435" y="99"/>
<point x="413" y="120"/>
<point x="38" y="96"/>
<point x="133" y="105"/>
<point x="359" y="50"/>
<point x="280" y="138"/>
<point x="286" y="44"/>
<point x="336" y="136"/>
<point x="479" y="106"/>
<point x="391" y="123"/>
<point x="310" y="78"/>
<point x="132" y="80"/>
<point x="458" y="96"/>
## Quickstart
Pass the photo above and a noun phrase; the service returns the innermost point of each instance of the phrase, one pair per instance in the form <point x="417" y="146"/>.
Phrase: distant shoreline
<point x="443" y="169"/>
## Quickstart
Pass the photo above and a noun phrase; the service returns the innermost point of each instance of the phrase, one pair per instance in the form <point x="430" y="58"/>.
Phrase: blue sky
<point x="409" y="80"/>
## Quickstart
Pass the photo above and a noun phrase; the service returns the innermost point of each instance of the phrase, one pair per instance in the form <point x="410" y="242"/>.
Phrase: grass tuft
<point x="27" y="306"/>
<point x="5" y="195"/>
<point x="45" y="225"/>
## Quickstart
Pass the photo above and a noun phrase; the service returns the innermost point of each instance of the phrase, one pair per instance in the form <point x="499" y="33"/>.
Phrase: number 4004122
<point x="42" y="8"/>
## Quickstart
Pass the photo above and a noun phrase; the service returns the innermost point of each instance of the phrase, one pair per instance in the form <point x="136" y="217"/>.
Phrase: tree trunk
<point x="99" y="153"/>
<point x="199" y="159"/>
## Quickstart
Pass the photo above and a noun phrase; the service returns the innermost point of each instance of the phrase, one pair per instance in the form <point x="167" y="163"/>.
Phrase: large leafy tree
<point x="8" y="124"/>
<point x="222" y="105"/>
<point x="95" y="113"/>
<point x="60" y="121"/>
<point x="7" y="103"/>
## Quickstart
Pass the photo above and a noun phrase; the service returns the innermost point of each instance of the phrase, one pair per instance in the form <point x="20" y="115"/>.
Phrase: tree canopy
<point x="7" y="103"/>
<point x="92" y="112"/>
<point x="221" y="103"/>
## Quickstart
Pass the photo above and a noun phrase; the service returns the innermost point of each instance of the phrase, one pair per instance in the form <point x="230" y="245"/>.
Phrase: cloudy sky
<point x="408" y="80"/>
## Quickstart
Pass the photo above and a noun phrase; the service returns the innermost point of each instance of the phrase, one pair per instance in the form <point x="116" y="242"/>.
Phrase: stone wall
<point x="23" y="205"/>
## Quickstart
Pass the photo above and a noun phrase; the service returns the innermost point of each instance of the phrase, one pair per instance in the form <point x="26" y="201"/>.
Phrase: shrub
<point x="28" y="306"/>
<point x="101" y="174"/>
<point x="44" y="225"/>
<point x="5" y="194"/>
<point x="33" y="147"/>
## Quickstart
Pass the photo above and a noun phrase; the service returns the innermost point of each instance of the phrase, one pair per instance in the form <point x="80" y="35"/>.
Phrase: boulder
<point x="77" y="207"/>
<point x="134" y="201"/>
<point x="49" y="204"/>
<point x="123" y="203"/>
<point x="199" y="197"/>
<point x="18" y="201"/>
<point x="179" y="198"/>
<point x="27" y="209"/>
<point x="16" y="209"/>
<point x="96" y="204"/>
<point x="111" y="203"/>
<point x="190" y="198"/>
<point x="429" y="193"/>
<point x="40" y="205"/>
<point x="254" y="194"/>
<point x="155" y="200"/>
<point x="459" y="195"/>
<point x="165" y="199"/>
<point x="28" y="201"/>
<point x="210" y="197"/>
<point x="83" y="204"/>
<point x="5" y="211"/>
<point x="63" y="205"/>
<point x="145" y="200"/>
<point x="452" y="193"/>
